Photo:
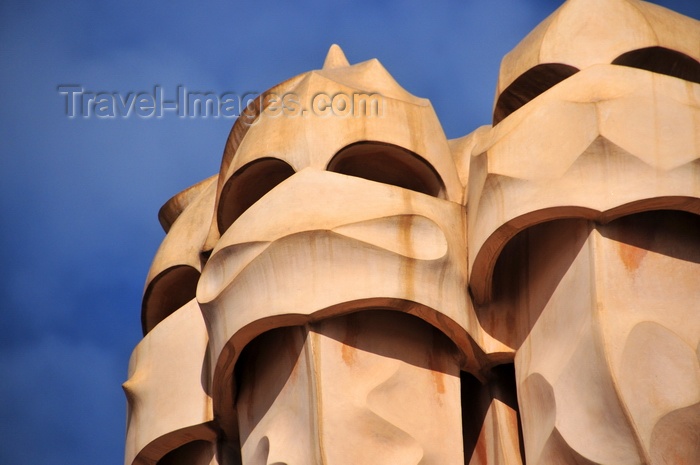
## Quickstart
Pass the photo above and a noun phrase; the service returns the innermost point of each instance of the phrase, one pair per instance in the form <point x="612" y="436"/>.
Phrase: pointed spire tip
<point x="335" y="58"/>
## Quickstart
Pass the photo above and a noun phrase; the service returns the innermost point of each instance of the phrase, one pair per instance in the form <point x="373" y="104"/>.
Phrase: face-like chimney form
<point x="354" y="288"/>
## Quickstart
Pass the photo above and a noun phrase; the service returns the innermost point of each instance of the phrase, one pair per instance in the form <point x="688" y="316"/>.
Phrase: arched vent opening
<point x="166" y="293"/>
<point x="662" y="60"/>
<point x="388" y="164"/>
<point x="248" y="185"/>
<point x="526" y="274"/>
<point x="529" y="85"/>
<point x="193" y="453"/>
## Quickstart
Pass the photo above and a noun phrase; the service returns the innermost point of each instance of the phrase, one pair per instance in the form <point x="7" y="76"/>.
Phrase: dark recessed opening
<point x="192" y="453"/>
<point x="167" y="292"/>
<point x="477" y="397"/>
<point x="662" y="61"/>
<point x="529" y="85"/>
<point x="248" y="185"/>
<point x="388" y="164"/>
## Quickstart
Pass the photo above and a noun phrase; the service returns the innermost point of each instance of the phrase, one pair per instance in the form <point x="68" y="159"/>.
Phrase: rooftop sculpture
<point x="355" y="288"/>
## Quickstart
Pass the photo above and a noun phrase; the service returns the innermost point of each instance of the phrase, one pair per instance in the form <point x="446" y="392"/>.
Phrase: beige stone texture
<point x="583" y="33"/>
<point x="172" y="279"/>
<point x="599" y="145"/>
<point x="167" y="389"/>
<point x="354" y="288"/>
<point x="619" y="303"/>
<point x="370" y="387"/>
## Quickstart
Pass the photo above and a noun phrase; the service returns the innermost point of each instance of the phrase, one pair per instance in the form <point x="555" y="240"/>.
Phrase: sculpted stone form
<point x="354" y="288"/>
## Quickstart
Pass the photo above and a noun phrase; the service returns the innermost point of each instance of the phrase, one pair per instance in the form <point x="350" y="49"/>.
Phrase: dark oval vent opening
<point x="529" y="85"/>
<point x="248" y="185"/>
<point x="662" y="60"/>
<point x="388" y="164"/>
<point x="166" y="293"/>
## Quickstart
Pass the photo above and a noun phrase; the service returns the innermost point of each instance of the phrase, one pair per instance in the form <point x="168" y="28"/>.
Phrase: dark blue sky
<point x="79" y="197"/>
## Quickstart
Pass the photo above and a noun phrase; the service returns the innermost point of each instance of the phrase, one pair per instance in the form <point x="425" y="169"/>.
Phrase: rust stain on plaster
<point x="436" y="365"/>
<point x="631" y="256"/>
<point x="439" y="381"/>
<point x="348" y="349"/>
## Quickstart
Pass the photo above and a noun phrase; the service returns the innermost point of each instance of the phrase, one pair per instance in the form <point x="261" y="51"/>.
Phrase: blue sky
<point x="79" y="197"/>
